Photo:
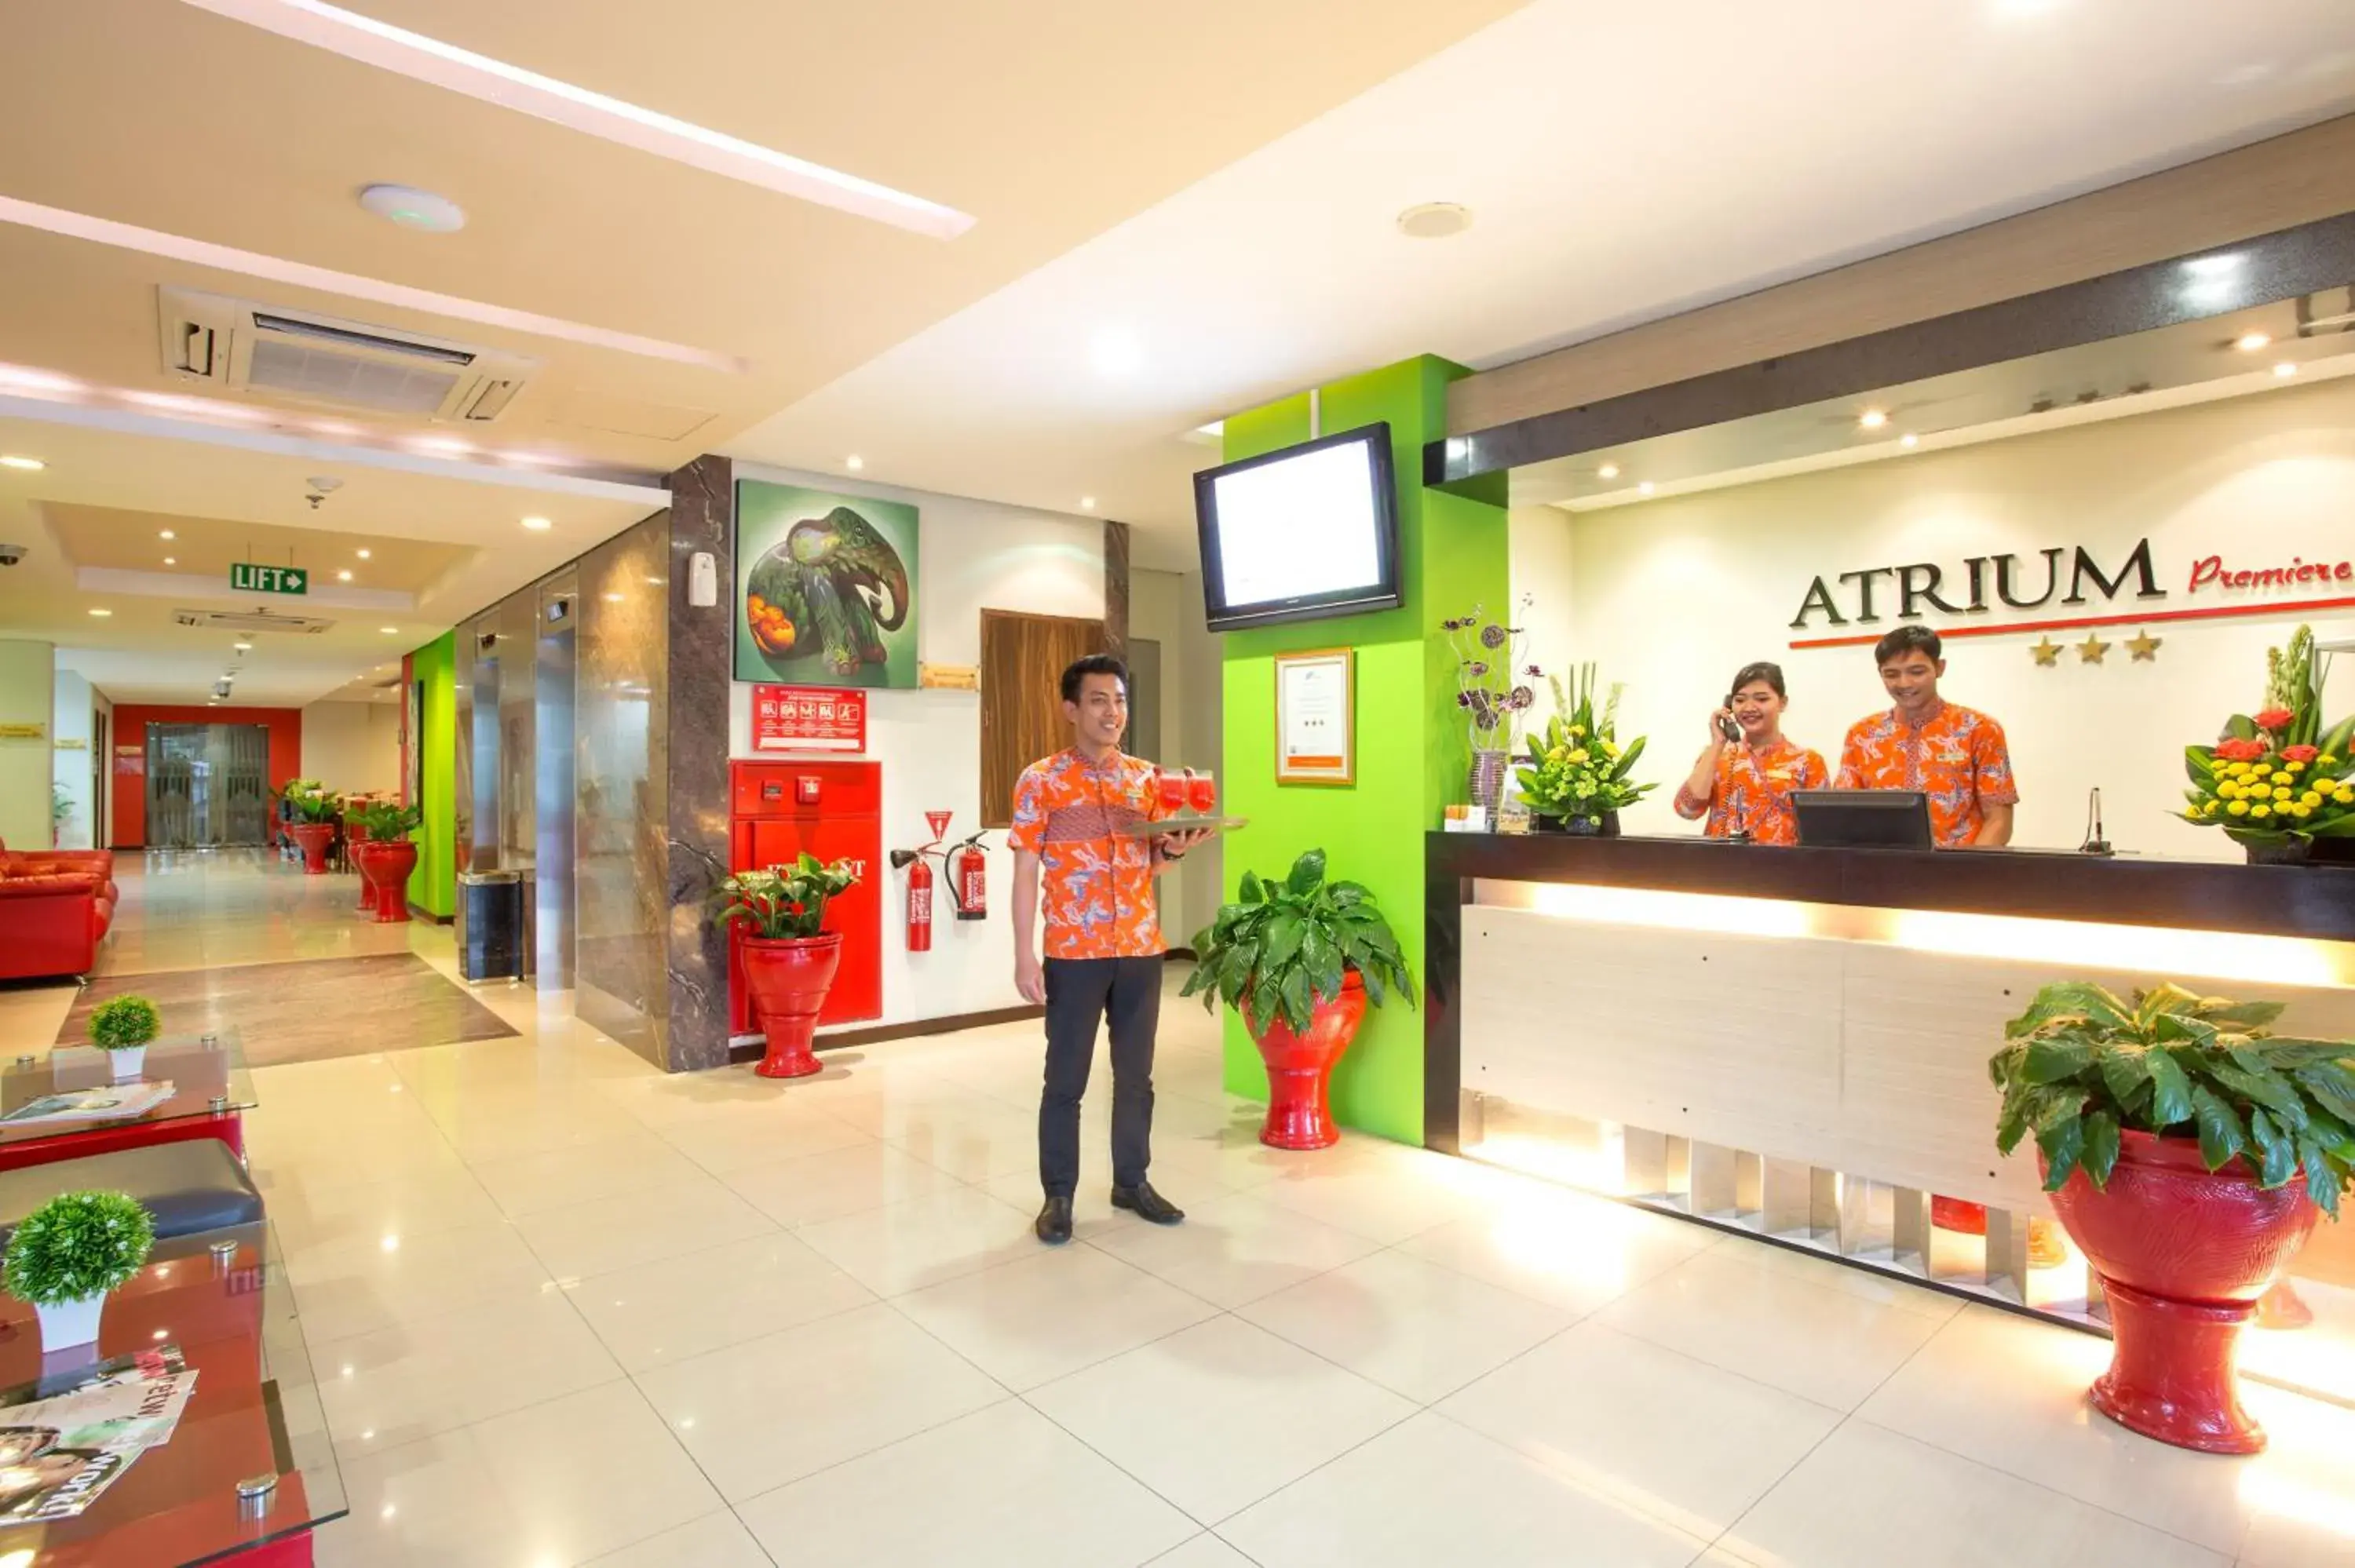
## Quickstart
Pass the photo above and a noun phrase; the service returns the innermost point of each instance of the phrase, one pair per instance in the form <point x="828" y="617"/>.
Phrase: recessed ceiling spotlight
<point x="538" y="525"/>
<point x="389" y="631"/>
<point x="343" y="577"/>
<point x="2286" y="367"/>
<point x="171" y="560"/>
<point x="2249" y="342"/>
<point x="29" y="464"/>
<point x="1087" y="503"/>
<point x="1909" y="440"/>
<point x="363" y="554"/>
<point x="1608" y="470"/>
<point x="167" y="534"/>
<point x="1872" y="419"/>
<point x="1645" y="487"/>
<point x="1434" y="220"/>
<point x="854" y="462"/>
<point x="423" y="211"/>
<point x="243" y="646"/>
<point x="101" y="614"/>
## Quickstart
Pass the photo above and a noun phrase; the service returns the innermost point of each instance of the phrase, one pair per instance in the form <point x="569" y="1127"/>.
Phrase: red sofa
<point x="54" y="911"/>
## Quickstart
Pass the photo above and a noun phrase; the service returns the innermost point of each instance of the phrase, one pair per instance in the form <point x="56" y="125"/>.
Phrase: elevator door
<point x="208" y="785"/>
<point x="552" y="780"/>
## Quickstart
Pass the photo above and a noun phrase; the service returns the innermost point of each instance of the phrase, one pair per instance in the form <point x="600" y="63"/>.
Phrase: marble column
<point x="702" y="519"/>
<point x="1116" y="588"/>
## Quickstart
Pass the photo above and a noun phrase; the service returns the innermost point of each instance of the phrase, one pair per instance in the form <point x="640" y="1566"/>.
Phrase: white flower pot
<point x="69" y="1323"/>
<point x="127" y="1064"/>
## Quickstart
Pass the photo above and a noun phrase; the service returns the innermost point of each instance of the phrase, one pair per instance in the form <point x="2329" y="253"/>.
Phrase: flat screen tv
<point x="1301" y="533"/>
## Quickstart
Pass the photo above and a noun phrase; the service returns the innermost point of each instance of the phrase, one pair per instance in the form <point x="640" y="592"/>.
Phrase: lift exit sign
<point x="245" y="576"/>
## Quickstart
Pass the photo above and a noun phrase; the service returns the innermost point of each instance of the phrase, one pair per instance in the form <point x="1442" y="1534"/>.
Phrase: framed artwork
<point x="1316" y="716"/>
<point x="826" y="587"/>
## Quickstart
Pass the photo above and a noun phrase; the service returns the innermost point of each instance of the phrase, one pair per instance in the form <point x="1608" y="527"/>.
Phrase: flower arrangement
<point x="1492" y="676"/>
<point x="1283" y="946"/>
<point x="78" y="1246"/>
<point x="2278" y="777"/>
<point x="784" y="902"/>
<point x="1576" y="769"/>
<point x="2080" y="1065"/>
<point x="124" y="1023"/>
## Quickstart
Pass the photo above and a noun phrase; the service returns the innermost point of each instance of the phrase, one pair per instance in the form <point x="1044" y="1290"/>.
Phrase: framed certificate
<point x="1316" y="716"/>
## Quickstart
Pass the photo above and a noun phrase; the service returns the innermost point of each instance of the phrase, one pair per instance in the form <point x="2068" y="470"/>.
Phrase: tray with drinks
<point x="1193" y="798"/>
<point x="1189" y="823"/>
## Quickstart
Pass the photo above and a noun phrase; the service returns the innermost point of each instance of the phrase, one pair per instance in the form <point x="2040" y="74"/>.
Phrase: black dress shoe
<point x="1146" y="1203"/>
<point x="1054" y="1223"/>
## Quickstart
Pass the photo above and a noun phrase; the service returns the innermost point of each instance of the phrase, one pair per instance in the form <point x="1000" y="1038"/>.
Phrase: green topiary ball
<point x="123" y="1023"/>
<point x="78" y="1244"/>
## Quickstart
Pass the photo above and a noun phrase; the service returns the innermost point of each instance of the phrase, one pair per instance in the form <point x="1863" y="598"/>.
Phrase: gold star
<point x="2089" y="651"/>
<point x="2045" y="651"/>
<point x="2143" y="645"/>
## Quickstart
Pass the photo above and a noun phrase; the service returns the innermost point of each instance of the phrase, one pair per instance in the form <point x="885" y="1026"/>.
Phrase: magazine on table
<point x="114" y="1103"/>
<point x="64" y="1442"/>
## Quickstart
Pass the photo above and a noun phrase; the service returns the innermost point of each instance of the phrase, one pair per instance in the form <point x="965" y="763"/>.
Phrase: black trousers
<point x="1126" y="992"/>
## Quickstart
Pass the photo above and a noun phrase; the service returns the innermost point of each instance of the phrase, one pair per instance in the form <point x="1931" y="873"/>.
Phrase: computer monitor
<point x="1864" y="818"/>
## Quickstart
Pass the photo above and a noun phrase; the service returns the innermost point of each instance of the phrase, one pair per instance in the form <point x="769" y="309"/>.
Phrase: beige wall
<point x="352" y="747"/>
<point x="1673" y="594"/>
<point x="28" y="696"/>
<point x="1167" y="607"/>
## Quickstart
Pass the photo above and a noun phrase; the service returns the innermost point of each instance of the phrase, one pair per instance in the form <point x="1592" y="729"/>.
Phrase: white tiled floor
<point x="593" y="1315"/>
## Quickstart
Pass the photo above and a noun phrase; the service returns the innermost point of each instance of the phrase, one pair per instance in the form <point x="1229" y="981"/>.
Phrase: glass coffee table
<point x="249" y="1472"/>
<point x="212" y="1088"/>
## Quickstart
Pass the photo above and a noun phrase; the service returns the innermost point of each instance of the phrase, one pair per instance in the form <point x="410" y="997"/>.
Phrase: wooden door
<point x="1022" y="662"/>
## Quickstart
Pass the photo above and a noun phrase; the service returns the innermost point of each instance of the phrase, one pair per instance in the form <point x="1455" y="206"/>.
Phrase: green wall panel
<point x="434" y="885"/>
<point x="1411" y="752"/>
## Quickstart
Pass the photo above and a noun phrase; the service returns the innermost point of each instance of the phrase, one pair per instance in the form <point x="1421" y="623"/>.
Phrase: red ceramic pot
<point x="313" y="838"/>
<point x="384" y="872"/>
<point x="354" y="836"/>
<point x="789" y="977"/>
<point x="2184" y="1254"/>
<point x="1300" y="1069"/>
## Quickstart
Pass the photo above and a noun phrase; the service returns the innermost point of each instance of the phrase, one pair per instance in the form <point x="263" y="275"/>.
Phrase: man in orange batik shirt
<point x="1955" y="756"/>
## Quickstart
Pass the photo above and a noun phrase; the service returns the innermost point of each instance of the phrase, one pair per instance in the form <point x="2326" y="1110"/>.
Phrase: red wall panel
<point x="131" y="722"/>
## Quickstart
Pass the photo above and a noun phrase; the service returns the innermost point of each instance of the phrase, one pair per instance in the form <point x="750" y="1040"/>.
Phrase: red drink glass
<point x="1201" y="791"/>
<point x="1171" y="788"/>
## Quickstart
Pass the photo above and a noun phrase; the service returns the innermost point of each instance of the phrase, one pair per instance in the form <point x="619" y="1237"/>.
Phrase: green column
<point x="1412" y="751"/>
<point x="434" y="885"/>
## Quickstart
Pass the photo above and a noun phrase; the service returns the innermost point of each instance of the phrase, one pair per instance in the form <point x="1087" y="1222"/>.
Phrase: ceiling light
<point x="167" y="534"/>
<point x="1216" y="429"/>
<point x="343" y="577"/>
<point x="1645" y="487"/>
<point x="171" y="560"/>
<point x="1909" y="440"/>
<point x="1087" y="503"/>
<point x="1608" y="470"/>
<point x="854" y="462"/>
<point x="2249" y="342"/>
<point x="363" y="554"/>
<point x="538" y="525"/>
<point x="297" y="274"/>
<point x="243" y="646"/>
<point x="389" y="631"/>
<point x="422" y="58"/>
<point x="30" y="465"/>
<point x="412" y="209"/>
<point x="2285" y="368"/>
<point x="1434" y="220"/>
<point x="1873" y="419"/>
<point x="101" y="614"/>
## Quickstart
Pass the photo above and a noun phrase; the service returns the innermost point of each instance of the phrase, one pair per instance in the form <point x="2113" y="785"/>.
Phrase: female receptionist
<point x="1743" y="779"/>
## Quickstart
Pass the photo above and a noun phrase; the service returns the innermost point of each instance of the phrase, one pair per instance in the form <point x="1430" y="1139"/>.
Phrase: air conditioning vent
<point x="246" y="347"/>
<point x="250" y="621"/>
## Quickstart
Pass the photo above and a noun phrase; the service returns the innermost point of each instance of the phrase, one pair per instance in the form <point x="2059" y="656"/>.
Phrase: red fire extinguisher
<point x="969" y="880"/>
<point x="919" y="901"/>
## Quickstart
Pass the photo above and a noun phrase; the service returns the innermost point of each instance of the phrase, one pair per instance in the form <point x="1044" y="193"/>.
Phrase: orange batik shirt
<point x="1956" y="757"/>
<point x="1096" y="881"/>
<point x="1752" y="792"/>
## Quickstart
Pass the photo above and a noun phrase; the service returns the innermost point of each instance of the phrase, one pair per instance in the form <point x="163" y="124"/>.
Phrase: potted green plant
<point x="1299" y="959"/>
<point x="70" y="1254"/>
<point x="1576" y="778"/>
<point x="123" y="1027"/>
<point x="382" y="851"/>
<point x="315" y="813"/>
<point x="2280" y="781"/>
<point x="789" y="961"/>
<point x="2188" y="1151"/>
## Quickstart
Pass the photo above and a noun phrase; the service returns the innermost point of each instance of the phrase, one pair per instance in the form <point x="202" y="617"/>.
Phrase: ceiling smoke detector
<point x="423" y="211"/>
<point x="1434" y="220"/>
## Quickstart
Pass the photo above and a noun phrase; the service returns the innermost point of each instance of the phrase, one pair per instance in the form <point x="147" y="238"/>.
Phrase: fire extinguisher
<point x="920" y="898"/>
<point x="969" y="880"/>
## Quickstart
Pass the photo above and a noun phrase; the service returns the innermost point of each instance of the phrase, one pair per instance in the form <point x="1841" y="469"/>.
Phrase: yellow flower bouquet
<point x="2278" y="782"/>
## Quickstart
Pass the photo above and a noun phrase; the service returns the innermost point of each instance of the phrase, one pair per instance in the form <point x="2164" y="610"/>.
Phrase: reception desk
<point x="1794" y="1041"/>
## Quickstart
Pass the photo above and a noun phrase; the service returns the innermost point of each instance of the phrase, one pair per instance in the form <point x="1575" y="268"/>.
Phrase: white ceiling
<point x="1622" y="163"/>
